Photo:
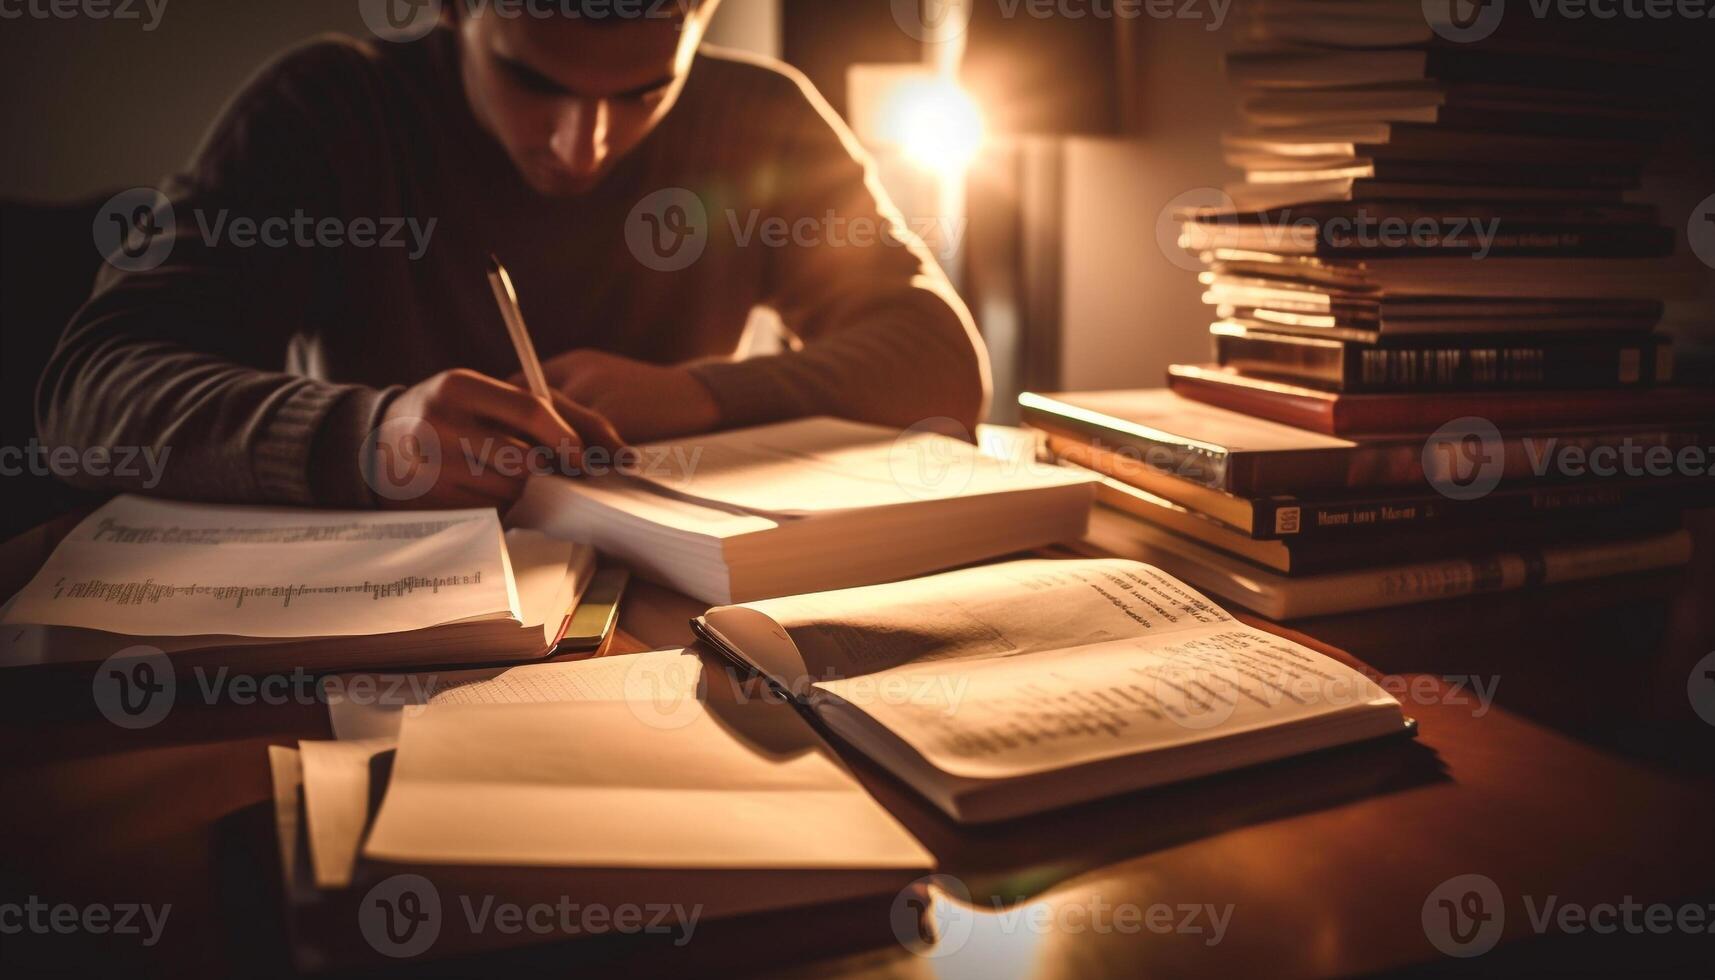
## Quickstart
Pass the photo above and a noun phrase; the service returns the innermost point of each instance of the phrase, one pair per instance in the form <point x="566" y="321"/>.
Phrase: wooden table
<point x="1589" y="780"/>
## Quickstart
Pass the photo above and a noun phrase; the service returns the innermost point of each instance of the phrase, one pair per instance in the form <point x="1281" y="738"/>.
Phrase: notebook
<point x="1005" y="690"/>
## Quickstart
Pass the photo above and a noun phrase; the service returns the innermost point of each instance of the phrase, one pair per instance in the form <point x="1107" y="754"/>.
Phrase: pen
<point x="507" y="299"/>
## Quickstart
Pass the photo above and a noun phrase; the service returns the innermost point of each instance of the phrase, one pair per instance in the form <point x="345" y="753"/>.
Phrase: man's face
<point x="567" y="98"/>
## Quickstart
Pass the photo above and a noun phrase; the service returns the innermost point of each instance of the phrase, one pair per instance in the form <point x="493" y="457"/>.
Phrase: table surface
<point x="1586" y="778"/>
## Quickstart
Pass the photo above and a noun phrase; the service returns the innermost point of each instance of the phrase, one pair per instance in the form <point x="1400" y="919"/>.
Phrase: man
<point x="291" y="366"/>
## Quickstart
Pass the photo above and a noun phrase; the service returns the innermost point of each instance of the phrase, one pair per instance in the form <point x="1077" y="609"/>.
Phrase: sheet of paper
<point x="363" y="706"/>
<point x="819" y="465"/>
<point x="1018" y="715"/>
<point x="286" y="777"/>
<point x="550" y="574"/>
<point x="336" y="803"/>
<point x="143" y="567"/>
<point x="1001" y="610"/>
<point x="596" y="784"/>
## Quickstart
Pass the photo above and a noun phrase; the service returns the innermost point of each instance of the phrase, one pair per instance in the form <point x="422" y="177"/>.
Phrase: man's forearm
<point x="894" y="363"/>
<point x="219" y="431"/>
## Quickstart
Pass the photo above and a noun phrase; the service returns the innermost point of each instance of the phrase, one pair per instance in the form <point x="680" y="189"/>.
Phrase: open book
<point x="269" y="588"/>
<point x="1009" y="689"/>
<point x="624" y="780"/>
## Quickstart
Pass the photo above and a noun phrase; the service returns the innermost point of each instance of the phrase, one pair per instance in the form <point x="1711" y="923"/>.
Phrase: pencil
<point x="507" y="298"/>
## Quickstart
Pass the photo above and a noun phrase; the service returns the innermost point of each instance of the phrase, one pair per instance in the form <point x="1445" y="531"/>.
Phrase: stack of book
<point x="1435" y="366"/>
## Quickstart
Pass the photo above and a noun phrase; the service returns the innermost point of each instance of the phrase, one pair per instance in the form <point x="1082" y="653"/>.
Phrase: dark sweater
<point x="262" y="369"/>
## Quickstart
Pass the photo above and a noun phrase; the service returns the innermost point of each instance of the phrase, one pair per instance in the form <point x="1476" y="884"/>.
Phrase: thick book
<point x="1336" y="513"/>
<point x="1281" y="597"/>
<point x="1262" y="167"/>
<point x="1425" y="143"/>
<point x="1566" y="31"/>
<point x="1462" y="229"/>
<point x="1006" y="690"/>
<point x="1662" y="409"/>
<point x="1311" y="555"/>
<point x="1280" y="193"/>
<point x="1470" y="107"/>
<point x="1345" y="366"/>
<point x="810" y="505"/>
<point x="1397" y="331"/>
<point x="1368" y="316"/>
<point x="1250" y="456"/>
<point x="1267" y="67"/>
<point x="1560" y="278"/>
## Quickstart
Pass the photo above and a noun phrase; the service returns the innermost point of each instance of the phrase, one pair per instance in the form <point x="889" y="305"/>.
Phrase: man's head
<point x="570" y="87"/>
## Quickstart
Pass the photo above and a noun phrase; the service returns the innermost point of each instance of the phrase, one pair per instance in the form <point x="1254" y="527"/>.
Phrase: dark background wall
<point x="90" y="106"/>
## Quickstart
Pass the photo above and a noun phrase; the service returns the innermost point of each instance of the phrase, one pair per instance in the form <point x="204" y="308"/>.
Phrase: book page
<point x="143" y="567"/>
<point x="336" y="789"/>
<point x="1019" y="715"/>
<point x="820" y="465"/>
<point x="1004" y="610"/>
<point x="367" y="711"/>
<point x="592" y="784"/>
<point x="362" y="706"/>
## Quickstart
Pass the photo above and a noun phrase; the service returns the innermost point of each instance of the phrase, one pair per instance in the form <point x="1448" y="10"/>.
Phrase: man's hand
<point x="463" y="439"/>
<point x="644" y="401"/>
